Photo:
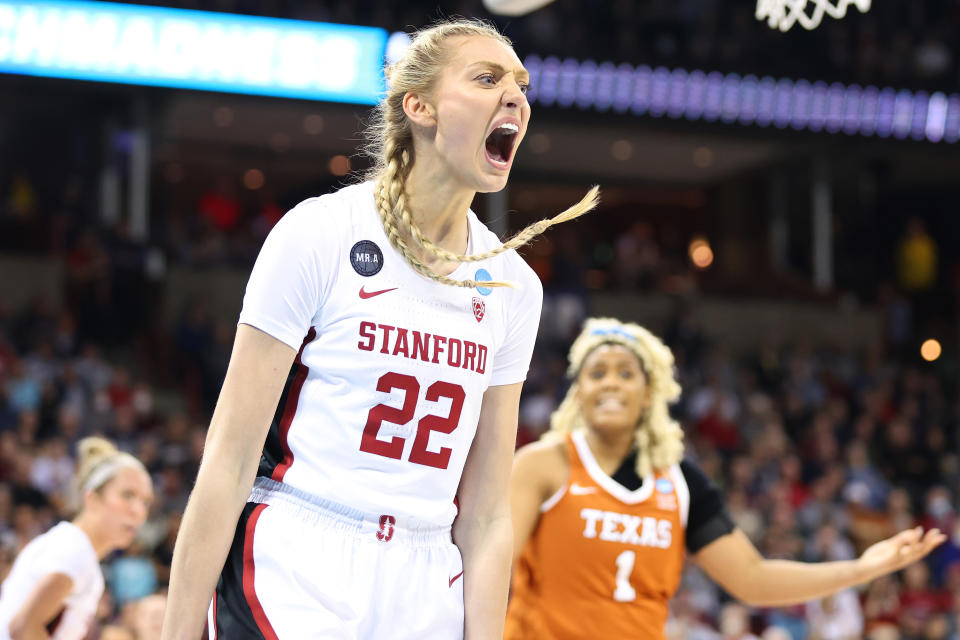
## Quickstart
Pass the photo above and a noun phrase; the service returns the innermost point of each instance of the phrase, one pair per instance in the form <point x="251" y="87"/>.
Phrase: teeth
<point x="509" y="126"/>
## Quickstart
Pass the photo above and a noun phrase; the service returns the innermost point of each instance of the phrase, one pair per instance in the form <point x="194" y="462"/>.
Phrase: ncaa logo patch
<point x="478" y="308"/>
<point x="480" y="276"/>
<point x="366" y="258"/>
<point x="664" y="485"/>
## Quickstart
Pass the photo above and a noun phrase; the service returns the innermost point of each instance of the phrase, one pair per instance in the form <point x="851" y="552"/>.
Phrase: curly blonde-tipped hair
<point x="390" y="145"/>
<point x="659" y="438"/>
<point x="98" y="461"/>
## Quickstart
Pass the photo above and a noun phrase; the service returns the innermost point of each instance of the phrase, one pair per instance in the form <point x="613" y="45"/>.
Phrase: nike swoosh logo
<point x="454" y="578"/>
<point x="579" y="490"/>
<point x="369" y="294"/>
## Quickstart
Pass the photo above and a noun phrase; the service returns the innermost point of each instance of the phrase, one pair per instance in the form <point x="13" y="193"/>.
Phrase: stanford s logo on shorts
<point x="478" y="308"/>
<point x="386" y="528"/>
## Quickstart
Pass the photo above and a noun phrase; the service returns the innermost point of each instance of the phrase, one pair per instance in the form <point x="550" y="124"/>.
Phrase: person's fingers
<point x="907" y="536"/>
<point x="910" y="552"/>
<point x="933" y="539"/>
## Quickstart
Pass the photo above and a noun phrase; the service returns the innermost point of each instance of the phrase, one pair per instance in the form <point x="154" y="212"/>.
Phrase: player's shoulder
<point x="65" y="543"/>
<point x="325" y="215"/>
<point x="546" y="459"/>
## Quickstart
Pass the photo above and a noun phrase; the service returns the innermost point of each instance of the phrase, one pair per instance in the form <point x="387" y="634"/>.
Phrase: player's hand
<point x="898" y="551"/>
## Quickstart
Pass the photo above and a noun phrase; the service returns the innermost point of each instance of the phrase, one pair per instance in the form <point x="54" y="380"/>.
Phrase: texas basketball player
<point x="605" y="509"/>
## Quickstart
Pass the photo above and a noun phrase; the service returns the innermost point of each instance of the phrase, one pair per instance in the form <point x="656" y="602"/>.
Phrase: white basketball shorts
<point x="302" y="568"/>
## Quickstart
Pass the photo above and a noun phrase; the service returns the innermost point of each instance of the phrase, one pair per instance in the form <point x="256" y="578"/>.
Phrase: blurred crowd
<point x="820" y="451"/>
<point x="911" y="44"/>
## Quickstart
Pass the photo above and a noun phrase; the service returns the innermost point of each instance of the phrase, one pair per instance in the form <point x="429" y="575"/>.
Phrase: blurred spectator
<point x="131" y="576"/>
<point x="734" y="622"/>
<point x="148" y="616"/>
<point x="864" y="485"/>
<point x="22" y="198"/>
<point x="220" y="206"/>
<point x="117" y="632"/>
<point x="837" y="617"/>
<point x="917" y="258"/>
<point x="919" y="600"/>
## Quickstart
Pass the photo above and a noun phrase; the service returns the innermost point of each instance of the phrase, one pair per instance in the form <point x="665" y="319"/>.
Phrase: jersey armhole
<point x="552" y="501"/>
<point x="570" y="454"/>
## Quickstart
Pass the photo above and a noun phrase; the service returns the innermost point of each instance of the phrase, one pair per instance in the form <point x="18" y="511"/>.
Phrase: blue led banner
<point x="748" y="100"/>
<point x="192" y="49"/>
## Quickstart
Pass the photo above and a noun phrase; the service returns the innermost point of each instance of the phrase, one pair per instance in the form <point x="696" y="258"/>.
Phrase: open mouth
<point x="610" y="404"/>
<point x="500" y="143"/>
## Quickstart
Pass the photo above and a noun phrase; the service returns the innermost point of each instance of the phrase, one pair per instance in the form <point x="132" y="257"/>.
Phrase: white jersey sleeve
<point x="64" y="549"/>
<point x="512" y="359"/>
<point x="63" y="558"/>
<point x="292" y="275"/>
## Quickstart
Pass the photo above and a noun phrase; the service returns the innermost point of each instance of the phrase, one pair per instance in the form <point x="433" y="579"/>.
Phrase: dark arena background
<point x="781" y="207"/>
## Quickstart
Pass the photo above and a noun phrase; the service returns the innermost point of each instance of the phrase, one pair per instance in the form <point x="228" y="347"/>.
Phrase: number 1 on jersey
<point x="624" y="592"/>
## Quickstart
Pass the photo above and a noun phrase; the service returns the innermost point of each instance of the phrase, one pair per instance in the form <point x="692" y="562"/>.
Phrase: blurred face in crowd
<point x="121" y="506"/>
<point x="612" y="389"/>
<point x="149" y="617"/>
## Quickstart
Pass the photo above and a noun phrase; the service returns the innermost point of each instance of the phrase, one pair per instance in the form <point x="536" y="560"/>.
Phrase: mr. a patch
<point x="366" y="258"/>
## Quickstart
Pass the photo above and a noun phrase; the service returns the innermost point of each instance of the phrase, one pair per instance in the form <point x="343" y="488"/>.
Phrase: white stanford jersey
<point x="63" y="549"/>
<point x="392" y="366"/>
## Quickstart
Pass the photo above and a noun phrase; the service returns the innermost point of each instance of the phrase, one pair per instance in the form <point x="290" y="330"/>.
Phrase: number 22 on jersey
<point x="381" y="413"/>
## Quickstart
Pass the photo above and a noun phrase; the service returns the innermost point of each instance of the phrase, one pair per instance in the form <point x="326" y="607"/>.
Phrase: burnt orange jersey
<point x="603" y="560"/>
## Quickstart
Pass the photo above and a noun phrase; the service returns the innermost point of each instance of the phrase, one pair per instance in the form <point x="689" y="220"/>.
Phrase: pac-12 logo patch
<point x="664" y="485"/>
<point x="478" y="308"/>
<point x="366" y="258"/>
<point x="482" y="275"/>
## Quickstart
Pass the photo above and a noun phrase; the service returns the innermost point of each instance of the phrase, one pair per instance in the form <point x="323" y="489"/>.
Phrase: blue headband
<point x="616" y="330"/>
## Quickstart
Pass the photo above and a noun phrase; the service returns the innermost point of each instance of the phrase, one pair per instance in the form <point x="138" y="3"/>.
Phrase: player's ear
<point x="419" y="110"/>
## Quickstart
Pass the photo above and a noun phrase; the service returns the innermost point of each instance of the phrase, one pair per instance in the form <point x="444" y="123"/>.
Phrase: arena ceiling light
<point x="747" y="100"/>
<point x="133" y="44"/>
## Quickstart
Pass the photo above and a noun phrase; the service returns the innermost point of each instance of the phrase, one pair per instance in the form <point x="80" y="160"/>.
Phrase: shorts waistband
<point x="382" y="526"/>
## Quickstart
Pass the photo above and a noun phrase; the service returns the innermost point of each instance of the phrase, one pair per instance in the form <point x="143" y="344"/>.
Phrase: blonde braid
<point x="391" y="147"/>
<point x="658" y="437"/>
<point x="586" y="204"/>
<point x="388" y="218"/>
<point x="387" y="189"/>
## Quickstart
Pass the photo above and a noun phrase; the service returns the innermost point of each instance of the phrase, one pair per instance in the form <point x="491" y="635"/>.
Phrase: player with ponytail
<point x="55" y="584"/>
<point x="375" y="504"/>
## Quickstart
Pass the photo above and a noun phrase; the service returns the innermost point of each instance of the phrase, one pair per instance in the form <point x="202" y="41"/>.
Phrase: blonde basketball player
<point x="605" y="509"/>
<point x="55" y="584"/>
<point x="377" y="504"/>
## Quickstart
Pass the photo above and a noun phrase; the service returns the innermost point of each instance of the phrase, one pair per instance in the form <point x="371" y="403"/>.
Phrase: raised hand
<point x="900" y="550"/>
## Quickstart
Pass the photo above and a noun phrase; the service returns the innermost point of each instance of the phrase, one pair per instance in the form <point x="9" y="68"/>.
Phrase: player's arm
<point x="734" y="563"/>
<point x="40" y="608"/>
<point x="539" y="470"/>
<point x="255" y="377"/>
<point x="482" y="529"/>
